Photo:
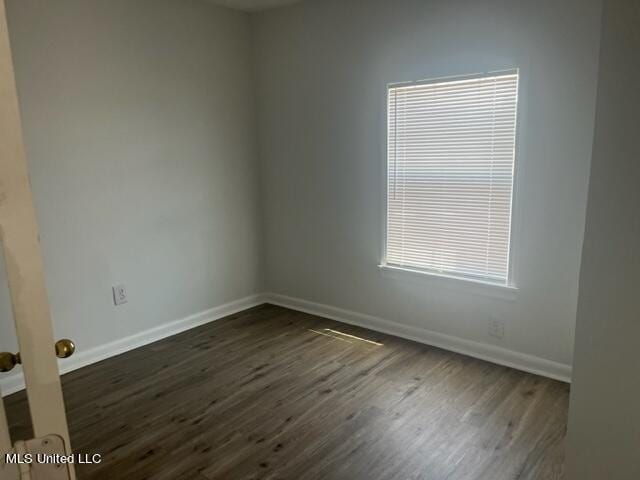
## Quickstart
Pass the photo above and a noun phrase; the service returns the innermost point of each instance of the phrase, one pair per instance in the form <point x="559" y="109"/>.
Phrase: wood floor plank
<point x="271" y="393"/>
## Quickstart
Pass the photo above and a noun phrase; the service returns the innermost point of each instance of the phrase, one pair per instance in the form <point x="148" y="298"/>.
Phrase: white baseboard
<point x="15" y="382"/>
<point x="483" y="351"/>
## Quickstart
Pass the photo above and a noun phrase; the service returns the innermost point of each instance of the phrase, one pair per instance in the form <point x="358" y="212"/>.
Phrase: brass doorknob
<point x="8" y="361"/>
<point x="65" y="348"/>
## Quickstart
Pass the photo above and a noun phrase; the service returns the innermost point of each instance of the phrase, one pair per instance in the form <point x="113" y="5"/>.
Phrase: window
<point x="450" y="170"/>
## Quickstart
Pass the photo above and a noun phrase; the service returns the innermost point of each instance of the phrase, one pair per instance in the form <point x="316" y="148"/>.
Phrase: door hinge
<point x="36" y="459"/>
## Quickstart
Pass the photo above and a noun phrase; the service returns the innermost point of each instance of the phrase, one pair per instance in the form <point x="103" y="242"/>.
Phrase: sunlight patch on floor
<point x="345" y="337"/>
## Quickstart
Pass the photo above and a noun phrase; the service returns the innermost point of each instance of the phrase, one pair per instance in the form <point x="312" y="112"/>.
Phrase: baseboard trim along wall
<point x="502" y="356"/>
<point x="483" y="351"/>
<point x="15" y="382"/>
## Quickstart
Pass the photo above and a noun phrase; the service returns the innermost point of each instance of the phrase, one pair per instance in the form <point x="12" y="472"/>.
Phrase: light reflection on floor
<point x="345" y="337"/>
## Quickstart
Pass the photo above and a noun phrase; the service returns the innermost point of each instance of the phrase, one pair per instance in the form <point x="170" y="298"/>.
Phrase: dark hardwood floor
<point x="273" y="393"/>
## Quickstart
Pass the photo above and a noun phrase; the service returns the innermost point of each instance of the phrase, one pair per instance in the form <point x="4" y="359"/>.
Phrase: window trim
<point x="458" y="284"/>
<point x="510" y="285"/>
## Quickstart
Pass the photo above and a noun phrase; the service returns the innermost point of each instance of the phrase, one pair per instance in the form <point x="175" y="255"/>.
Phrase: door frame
<point x="24" y="264"/>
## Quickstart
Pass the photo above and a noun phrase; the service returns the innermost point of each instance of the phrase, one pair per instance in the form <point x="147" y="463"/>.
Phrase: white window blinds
<point x="451" y="146"/>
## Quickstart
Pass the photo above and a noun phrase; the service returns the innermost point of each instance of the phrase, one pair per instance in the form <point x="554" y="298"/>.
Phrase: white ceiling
<point x="253" y="5"/>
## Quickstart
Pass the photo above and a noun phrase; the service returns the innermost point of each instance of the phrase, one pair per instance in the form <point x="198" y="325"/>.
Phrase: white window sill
<point x="468" y="285"/>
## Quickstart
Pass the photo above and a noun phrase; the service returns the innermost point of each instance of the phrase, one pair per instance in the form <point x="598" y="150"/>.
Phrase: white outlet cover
<point x="119" y="294"/>
<point x="496" y="329"/>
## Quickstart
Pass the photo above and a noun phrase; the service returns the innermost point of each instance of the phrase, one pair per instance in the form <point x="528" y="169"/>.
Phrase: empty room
<point x="319" y="239"/>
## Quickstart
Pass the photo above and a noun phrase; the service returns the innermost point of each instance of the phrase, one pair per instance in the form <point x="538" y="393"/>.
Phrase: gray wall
<point x="139" y="128"/>
<point x="604" y="423"/>
<point x="322" y="68"/>
<point x="140" y="133"/>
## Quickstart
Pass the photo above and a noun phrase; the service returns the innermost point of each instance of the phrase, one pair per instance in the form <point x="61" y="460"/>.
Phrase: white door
<point x="20" y="242"/>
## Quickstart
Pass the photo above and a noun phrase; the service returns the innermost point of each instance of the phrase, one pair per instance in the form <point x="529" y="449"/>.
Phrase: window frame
<point x="451" y="277"/>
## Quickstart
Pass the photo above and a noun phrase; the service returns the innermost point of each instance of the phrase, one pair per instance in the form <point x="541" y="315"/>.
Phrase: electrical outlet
<point x="496" y="328"/>
<point x="119" y="294"/>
